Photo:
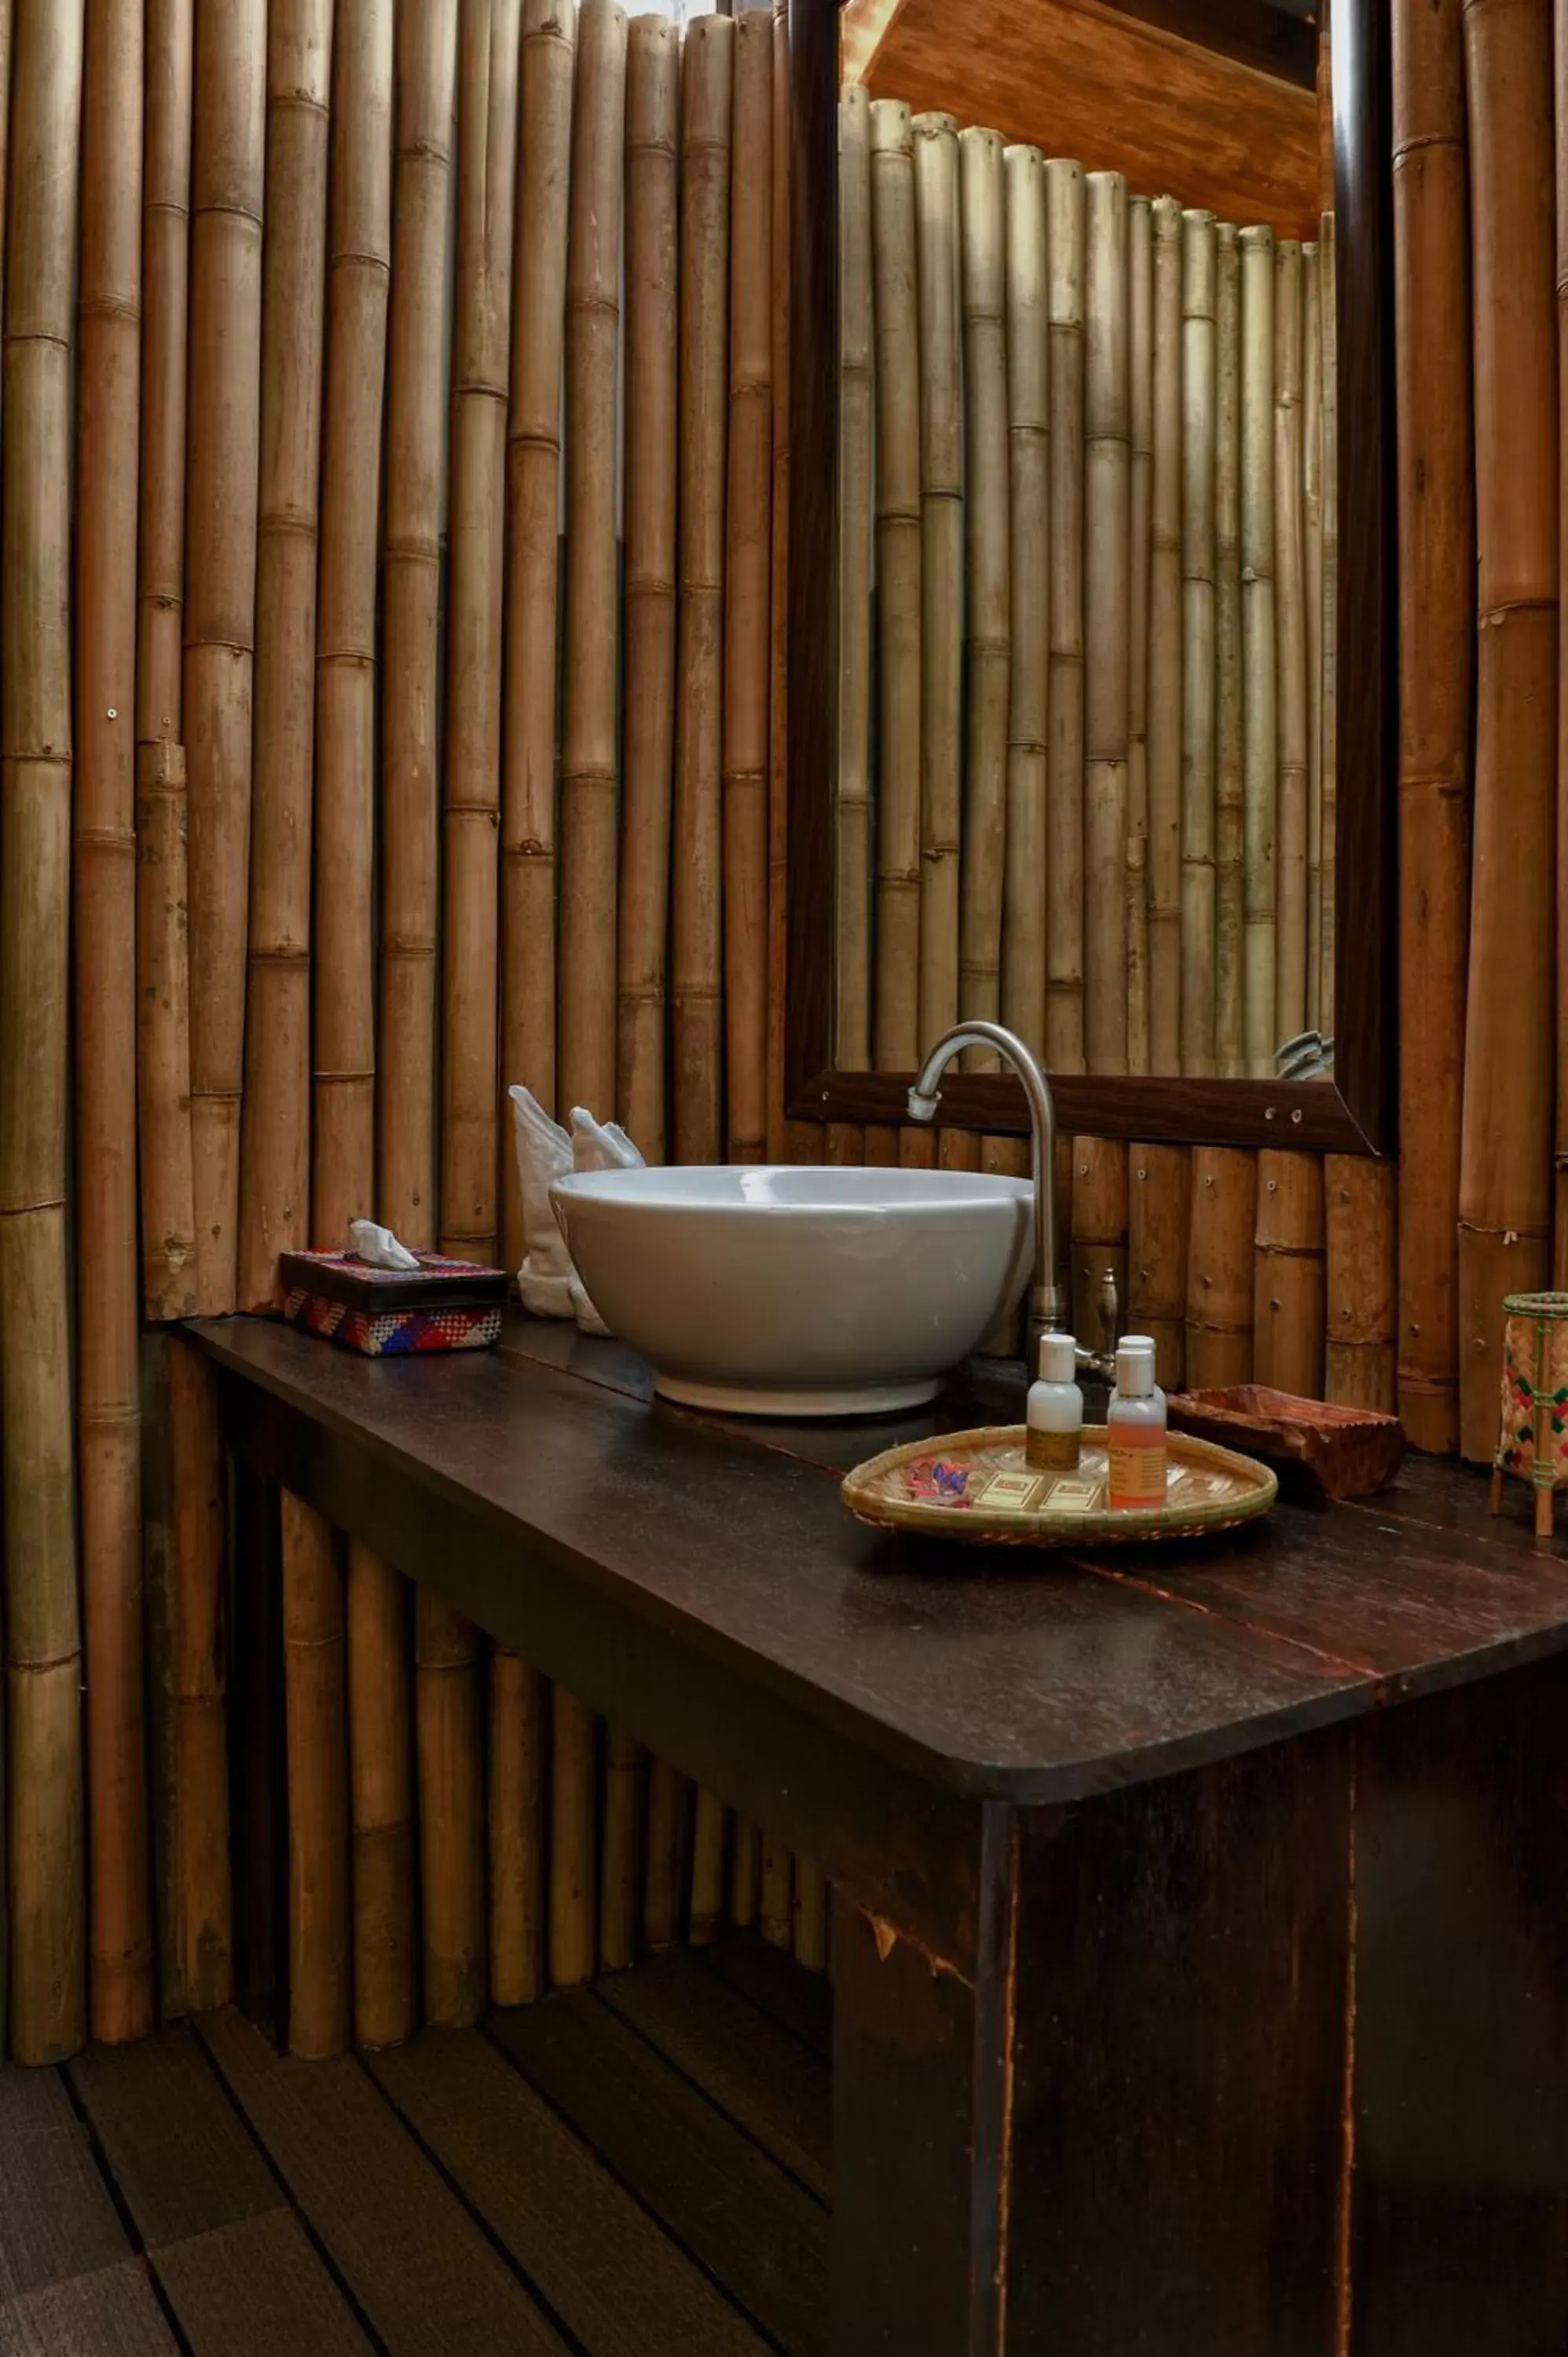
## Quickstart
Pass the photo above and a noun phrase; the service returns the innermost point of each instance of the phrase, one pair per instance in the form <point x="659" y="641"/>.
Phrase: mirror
<point x="1090" y="646"/>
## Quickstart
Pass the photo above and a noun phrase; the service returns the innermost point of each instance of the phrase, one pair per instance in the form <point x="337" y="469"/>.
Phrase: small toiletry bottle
<point x="1054" y="1408"/>
<point x="1135" y="1426"/>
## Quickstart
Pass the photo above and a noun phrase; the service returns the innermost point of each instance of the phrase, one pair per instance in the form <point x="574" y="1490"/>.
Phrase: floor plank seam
<point x="121" y="2207"/>
<point x="708" y="1958"/>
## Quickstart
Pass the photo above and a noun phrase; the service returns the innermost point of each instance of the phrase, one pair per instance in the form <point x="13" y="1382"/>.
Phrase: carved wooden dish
<point x="977" y="1486"/>
<point x="1342" y="1452"/>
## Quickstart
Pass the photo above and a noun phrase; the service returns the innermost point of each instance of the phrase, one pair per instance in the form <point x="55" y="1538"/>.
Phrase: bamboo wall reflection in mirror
<point x="1086" y="764"/>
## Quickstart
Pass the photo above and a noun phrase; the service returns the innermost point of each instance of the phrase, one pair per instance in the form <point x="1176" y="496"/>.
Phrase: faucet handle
<point x="1108" y="1303"/>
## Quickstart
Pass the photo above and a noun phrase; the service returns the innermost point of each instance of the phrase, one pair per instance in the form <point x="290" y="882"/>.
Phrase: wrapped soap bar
<point x="389" y="1313"/>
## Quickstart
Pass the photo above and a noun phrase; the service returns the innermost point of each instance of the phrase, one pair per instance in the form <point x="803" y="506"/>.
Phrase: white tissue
<point x="377" y="1246"/>
<point x="601" y="1146"/>
<point x="547" y="1283"/>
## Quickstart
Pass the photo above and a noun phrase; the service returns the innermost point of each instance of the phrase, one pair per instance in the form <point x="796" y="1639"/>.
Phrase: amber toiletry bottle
<point x="1054" y="1410"/>
<point x="1135" y="1426"/>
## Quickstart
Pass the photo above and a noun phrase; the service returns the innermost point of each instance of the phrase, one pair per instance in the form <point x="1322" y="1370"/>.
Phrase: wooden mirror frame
<point x="1353" y="1112"/>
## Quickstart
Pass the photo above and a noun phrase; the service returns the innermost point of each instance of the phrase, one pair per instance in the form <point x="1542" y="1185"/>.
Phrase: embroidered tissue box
<point x="388" y="1313"/>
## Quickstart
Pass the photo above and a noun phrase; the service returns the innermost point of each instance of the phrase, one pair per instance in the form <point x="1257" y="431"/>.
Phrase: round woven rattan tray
<point x="977" y="1486"/>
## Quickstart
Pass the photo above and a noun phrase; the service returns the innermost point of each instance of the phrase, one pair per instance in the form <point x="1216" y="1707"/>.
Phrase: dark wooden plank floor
<point x="638" y="2172"/>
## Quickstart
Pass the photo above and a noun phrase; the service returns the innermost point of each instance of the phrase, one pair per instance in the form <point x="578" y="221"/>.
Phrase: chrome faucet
<point x="1047" y="1309"/>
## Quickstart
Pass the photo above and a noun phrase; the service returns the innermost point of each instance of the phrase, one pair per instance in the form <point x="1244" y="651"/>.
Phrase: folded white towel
<point x="377" y="1246"/>
<point x="547" y="1283"/>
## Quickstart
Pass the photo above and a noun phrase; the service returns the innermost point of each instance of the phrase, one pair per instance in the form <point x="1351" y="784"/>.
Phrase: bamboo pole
<point x="1198" y="562"/>
<point x="856" y="397"/>
<point x="749" y="566"/>
<point x="1289" y="1273"/>
<point x="1358" y="1198"/>
<point x="1165" y="679"/>
<point x="776" y="1893"/>
<point x="746" y="1876"/>
<point x="574" y="1780"/>
<point x="381" y="1768"/>
<point x="1290" y="641"/>
<point x="1065" y="692"/>
<point x="667" y="1800"/>
<point x="319" y="2010"/>
<point x="230" y="164"/>
<point x="1159" y="1215"/>
<point x="695" y="952"/>
<point x="1107" y="460"/>
<point x="108" y="1414"/>
<point x="1436" y="575"/>
<point x="416" y="336"/>
<point x="1230" y="914"/>
<point x="1311" y="576"/>
<point x="1141" y="434"/>
<point x="519" y="1753"/>
<point x="895" y="1011"/>
<point x="709" y="1844"/>
<point x="343" y="1142"/>
<point x="1028" y="450"/>
<point x="1328" y="732"/>
<point x="169" y="1216"/>
<point x="626" y="1777"/>
<point x="197" y="1975"/>
<point x="786" y="1139"/>
<point x="274" y="1177"/>
<point x="534" y="469"/>
<point x="1099" y="1229"/>
<point x="589" y="782"/>
<point x="451" y="1812"/>
<point x="1260" y="748"/>
<point x="652" y="201"/>
<point x="811" y="1916"/>
<point x="38" y="1471"/>
<point x="988" y="650"/>
<point x="1505" y="1190"/>
<point x="1220" y="1271"/>
<point x="941" y="414"/>
<point x="487" y="158"/>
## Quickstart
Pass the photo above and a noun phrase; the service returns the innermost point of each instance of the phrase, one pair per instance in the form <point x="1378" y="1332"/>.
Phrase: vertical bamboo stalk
<point x="811" y="1916"/>
<point x="1065" y="714"/>
<point x="451" y="1812"/>
<point x="1229" y="914"/>
<point x="197" y="1975"/>
<point x="381" y="1768"/>
<point x="1289" y="1273"/>
<point x="1359" y="1197"/>
<point x="749" y="565"/>
<point x="1159" y="1215"/>
<point x="220" y="616"/>
<point x="315" y="1717"/>
<point x="518" y="1751"/>
<point x="417" y="329"/>
<point x="163" y="1032"/>
<point x="708" y="1848"/>
<point x="487" y="158"/>
<point x="988" y="647"/>
<point x="696" y="953"/>
<point x="1165" y="680"/>
<point x="1505" y="1186"/>
<point x="343" y="1144"/>
<point x="169" y="1217"/>
<point x="626" y="1776"/>
<point x="895" y="1014"/>
<point x="652" y="201"/>
<point x="533" y="467"/>
<point x="1312" y="577"/>
<point x="573" y="1779"/>
<point x="589" y="780"/>
<point x="1220" y="1272"/>
<point x="1099" y="1229"/>
<point x="746" y="1876"/>
<point x="274" y="1178"/>
<point x="1437" y="646"/>
<point x="857" y="397"/>
<point x="938" y="302"/>
<point x="1260" y="748"/>
<point x="786" y="1139"/>
<point x="38" y="1471"/>
<point x="1199" y="559"/>
<point x="776" y="1893"/>
<point x="1107" y="460"/>
<point x="1329" y="733"/>
<point x="1290" y="641"/>
<point x="667" y="1797"/>
<point x="106" y="1032"/>
<point x="1141" y="434"/>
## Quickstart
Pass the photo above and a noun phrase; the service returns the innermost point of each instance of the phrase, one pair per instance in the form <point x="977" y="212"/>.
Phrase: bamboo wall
<point x="1088" y="500"/>
<point x="233" y="646"/>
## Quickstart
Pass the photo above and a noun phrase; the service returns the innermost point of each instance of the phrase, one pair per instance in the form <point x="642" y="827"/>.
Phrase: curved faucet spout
<point x="1045" y="1306"/>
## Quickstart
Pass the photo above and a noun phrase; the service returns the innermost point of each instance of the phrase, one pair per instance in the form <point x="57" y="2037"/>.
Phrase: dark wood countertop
<point x="1017" y="1678"/>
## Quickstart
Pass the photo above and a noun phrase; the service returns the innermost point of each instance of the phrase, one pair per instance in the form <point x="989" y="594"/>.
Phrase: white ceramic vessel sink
<point x="777" y="1290"/>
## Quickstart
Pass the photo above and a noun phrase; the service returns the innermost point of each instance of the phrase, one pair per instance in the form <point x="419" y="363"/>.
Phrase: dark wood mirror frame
<point x="1354" y="1111"/>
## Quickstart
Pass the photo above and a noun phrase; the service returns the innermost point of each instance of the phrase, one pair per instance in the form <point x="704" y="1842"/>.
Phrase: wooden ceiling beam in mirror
<point x="1056" y="73"/>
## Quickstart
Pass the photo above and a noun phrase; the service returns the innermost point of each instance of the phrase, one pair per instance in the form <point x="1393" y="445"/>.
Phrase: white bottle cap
<point x="1135" y="1366"/>
<point x="1058" y="1359"/>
